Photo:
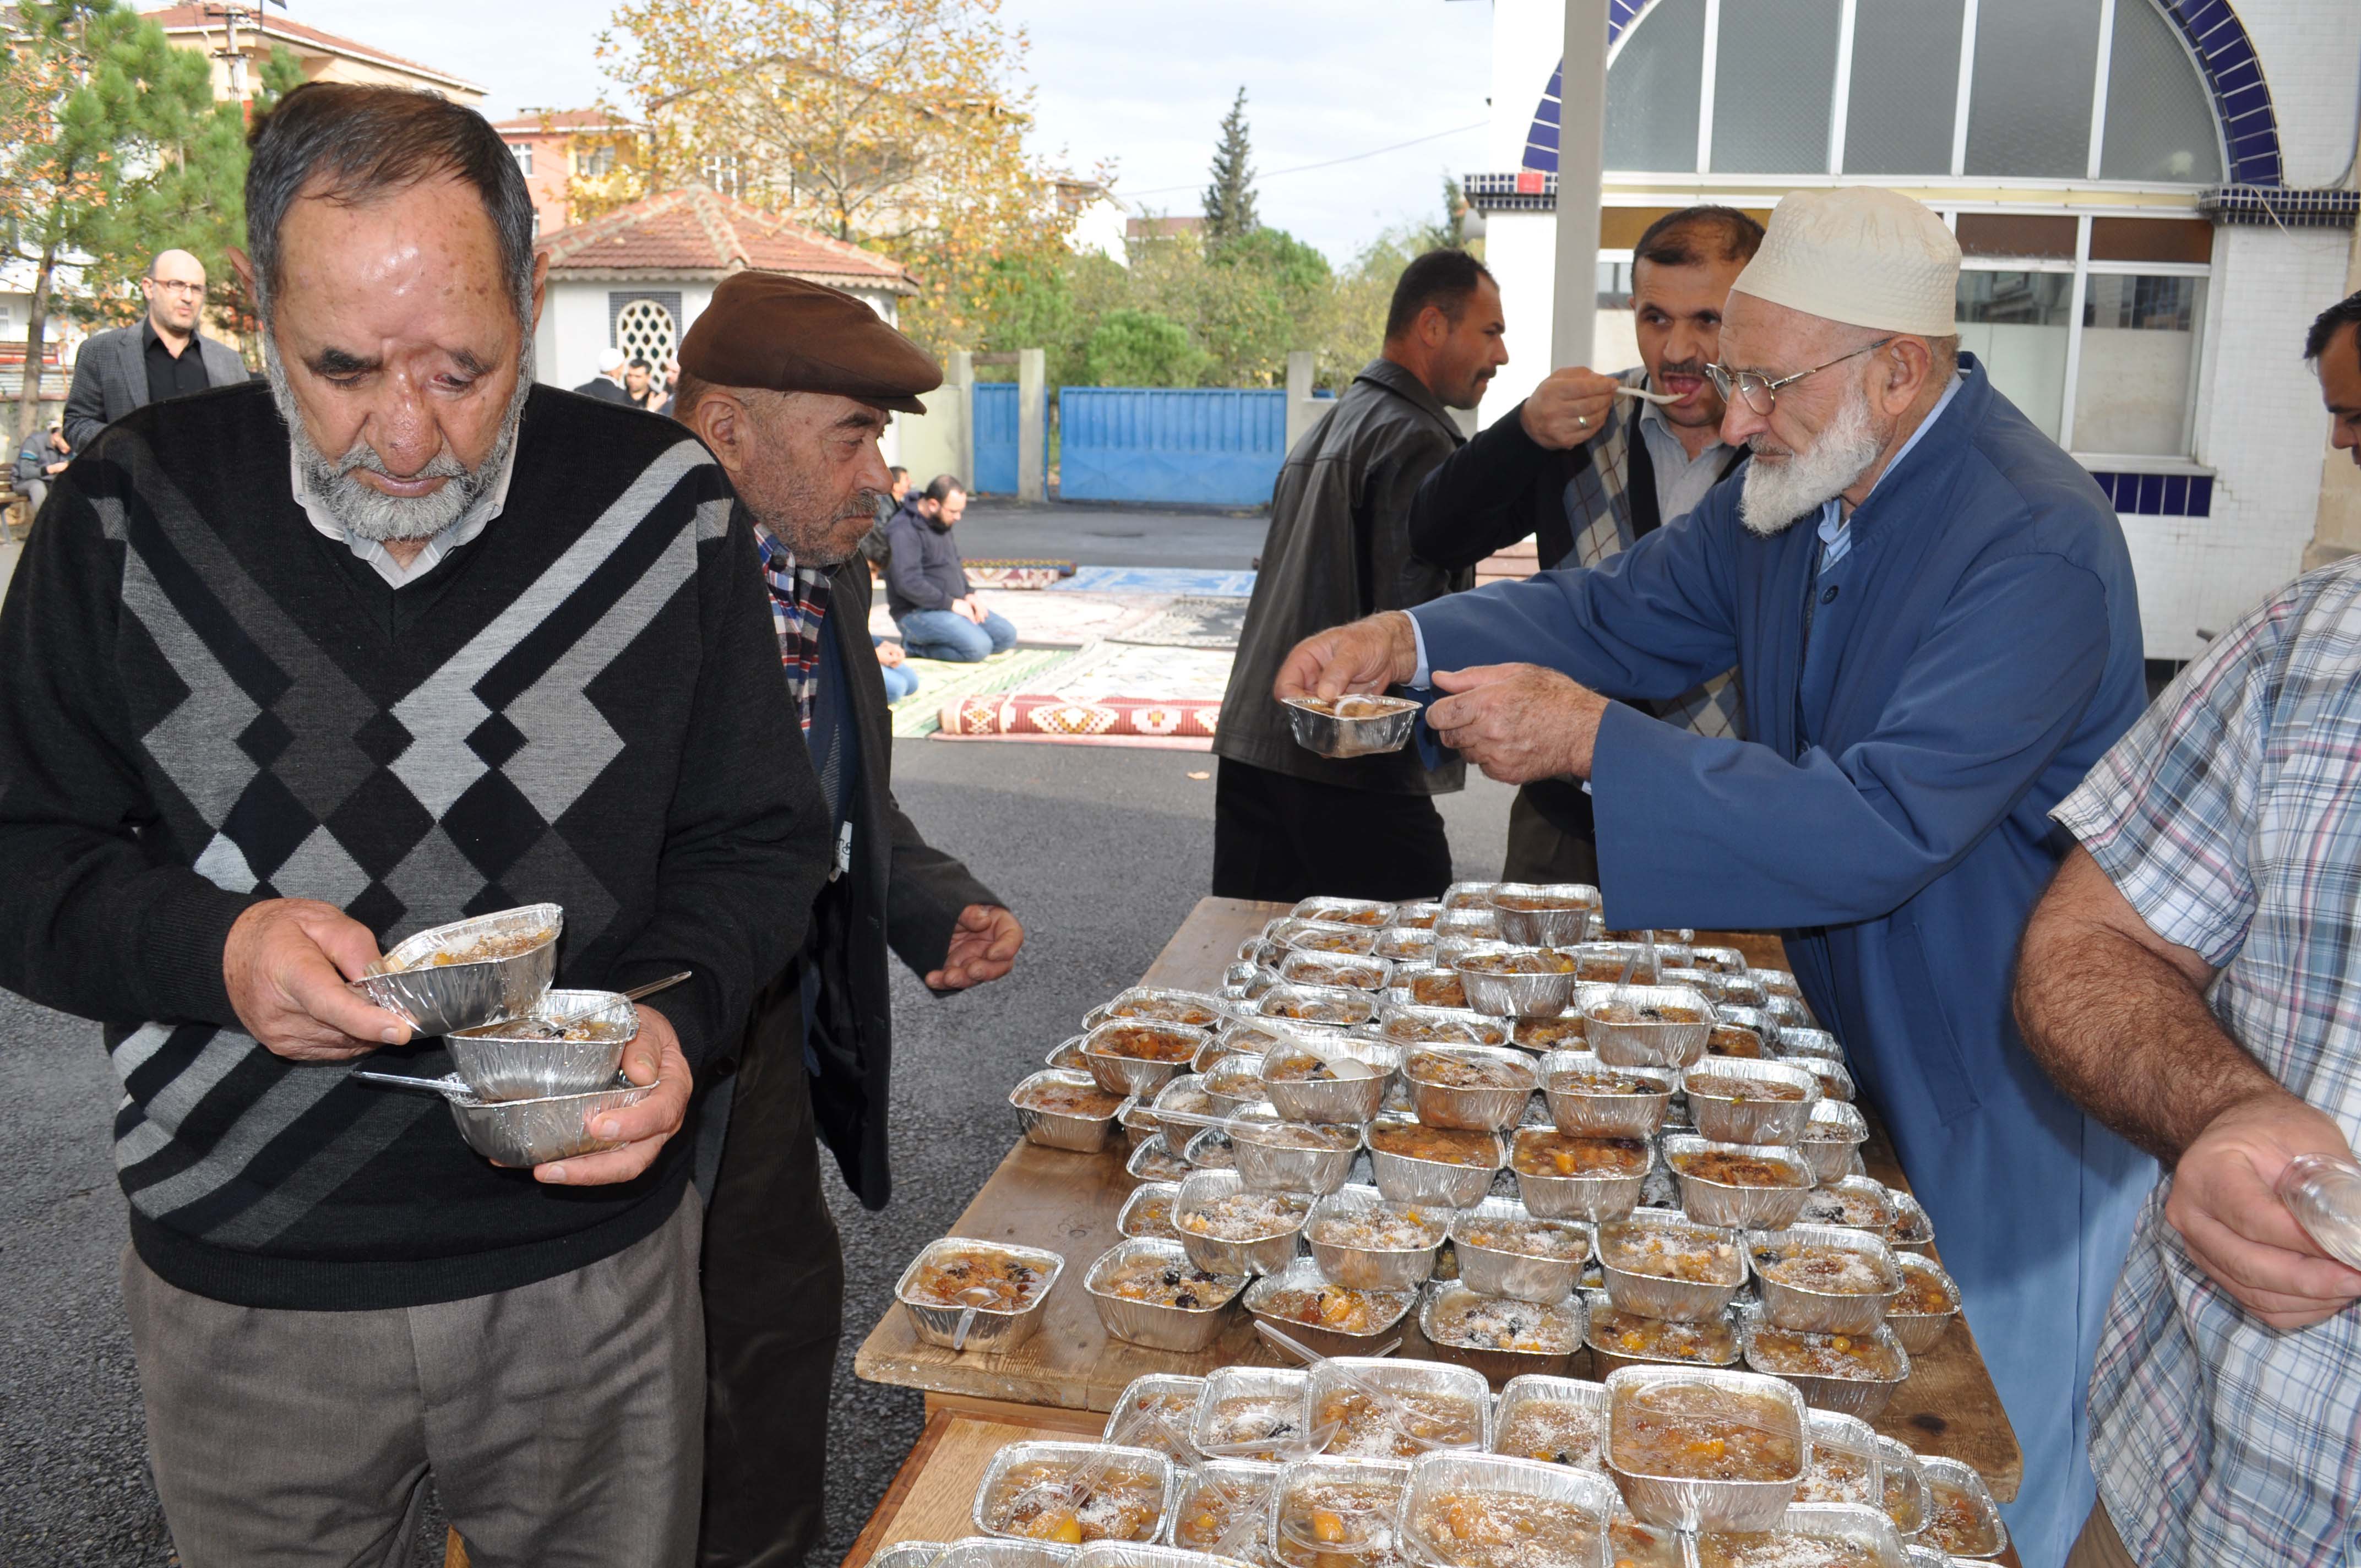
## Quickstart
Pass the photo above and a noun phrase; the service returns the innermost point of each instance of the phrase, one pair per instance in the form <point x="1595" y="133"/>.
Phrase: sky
<point x="1143" y="83"/>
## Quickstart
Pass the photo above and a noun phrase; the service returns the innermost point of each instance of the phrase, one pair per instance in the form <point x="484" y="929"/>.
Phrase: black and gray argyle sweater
<point x="206" y="702"/>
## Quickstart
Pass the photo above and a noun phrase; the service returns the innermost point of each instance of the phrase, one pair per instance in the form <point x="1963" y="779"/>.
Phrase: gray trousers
<point x="1540" y="851"/>
<point x="562" y="1422"/>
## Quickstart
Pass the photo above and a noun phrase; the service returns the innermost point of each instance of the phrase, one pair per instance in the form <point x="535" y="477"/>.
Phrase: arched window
<point x="2013" y="89"/>
<point x="645" y="329"/>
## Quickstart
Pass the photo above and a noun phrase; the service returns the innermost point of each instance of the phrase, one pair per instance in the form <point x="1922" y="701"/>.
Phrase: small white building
<point x="637" y="279"/>
<point x="2154" y="198"/>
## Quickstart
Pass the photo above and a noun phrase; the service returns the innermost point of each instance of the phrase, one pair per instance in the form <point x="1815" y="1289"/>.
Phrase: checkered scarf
<point x="798" y="614"/>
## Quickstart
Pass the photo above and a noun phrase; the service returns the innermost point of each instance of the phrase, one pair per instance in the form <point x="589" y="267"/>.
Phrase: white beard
<point x="371" y="514"/>
<point x="1775" y="495"/>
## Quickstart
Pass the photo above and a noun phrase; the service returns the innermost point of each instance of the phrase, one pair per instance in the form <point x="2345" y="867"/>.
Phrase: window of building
<point x="522" y="150"/>
<point x="2023" y="89"/>
<point x="2090" y="326"/>
<point x="723" y="171"/>
<point x="591" y="162"/>
<point x="647" y="328"/>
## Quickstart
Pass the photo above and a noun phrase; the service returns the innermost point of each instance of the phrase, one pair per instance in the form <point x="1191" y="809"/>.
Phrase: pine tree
<point x="111" y="149"/>
<point x="1229" y="200"/>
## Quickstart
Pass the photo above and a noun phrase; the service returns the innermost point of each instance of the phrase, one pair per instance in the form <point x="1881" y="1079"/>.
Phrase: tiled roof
<point x="192" y="19"/>
<point x="554" y="122"/>
<point x="695" y="229"/>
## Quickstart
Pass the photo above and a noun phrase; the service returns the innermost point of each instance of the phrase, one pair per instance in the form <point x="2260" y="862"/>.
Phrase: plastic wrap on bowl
<point x="1559" y="1420"/>
<point x="1255" y="1413"/>
<point x="1857" y="1378"/>
<point x="1498" y="1255"/>
<point x="1848" y="1297"/>
<point x="1499" y="1336"/>
<point x="1188" y="1325"/>
<point x="1579" y="1089"/>
<point x="1460" y="1504"/>
<point x="1719" y="1183"/>
<point x="1038" y="1099"/>
<point x="1133" y="1497"/>
<point x="1158" y="1410"/>
<point x="1328" y="1318"/>
<point x="1648" y="1025"/>
<point x="1962" y="1517"/>
<point x="995" y="1329"/>
<point x="1349" y="1233"/>
<point x="1207" y="1195"/>
<point x="1658" y="1417"/>
<point x="1733" y="1101"/>
<point x="1659" y="1263"/>
<point x="1481" y="1088"/>
<point x="1422" y="1407"/>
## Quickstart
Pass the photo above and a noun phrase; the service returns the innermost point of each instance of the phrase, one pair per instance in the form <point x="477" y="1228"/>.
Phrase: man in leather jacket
<point x="1287" y="822"/>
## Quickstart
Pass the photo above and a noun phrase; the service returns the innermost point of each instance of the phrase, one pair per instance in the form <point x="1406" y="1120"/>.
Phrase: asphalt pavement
<point x="1110" y="536"/>
<point x="1100" y="851"/>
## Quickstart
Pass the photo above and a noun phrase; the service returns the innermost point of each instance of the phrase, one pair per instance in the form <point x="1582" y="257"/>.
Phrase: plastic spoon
<point x="967" y="1314"/>
<point x="1389" y="1408"/>
<point x="1077" y="1485"/>
<point x="1645" y="396"/>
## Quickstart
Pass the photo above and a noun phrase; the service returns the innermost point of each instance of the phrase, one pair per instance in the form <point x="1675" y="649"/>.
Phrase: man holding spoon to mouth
<point x="1588" y="466"/>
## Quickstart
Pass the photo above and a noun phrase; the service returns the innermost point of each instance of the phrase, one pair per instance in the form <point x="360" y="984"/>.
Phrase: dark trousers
<point x="1540" y="850"/>
<point x="774" y="1309"/>
<point x="1283" y="838"/>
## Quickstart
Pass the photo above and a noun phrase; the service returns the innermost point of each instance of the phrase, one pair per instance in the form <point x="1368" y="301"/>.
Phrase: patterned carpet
<point x="1053" y="620"/>
<point x="1190" y="623"/>
<point x="919" y="714"/>
<point x="1109" y="695"/>
<point x="1172" y="581"/>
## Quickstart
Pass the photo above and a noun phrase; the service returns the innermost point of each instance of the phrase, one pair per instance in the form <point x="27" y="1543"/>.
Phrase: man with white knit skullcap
<point x="1931" y="608"/>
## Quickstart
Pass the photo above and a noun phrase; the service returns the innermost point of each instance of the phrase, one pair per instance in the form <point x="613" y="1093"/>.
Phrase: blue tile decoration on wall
<point x="2159" y="495"/>
<point x="2224" y="56"/>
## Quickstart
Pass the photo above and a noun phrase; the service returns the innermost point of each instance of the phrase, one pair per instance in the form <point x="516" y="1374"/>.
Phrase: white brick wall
<point x="2311" y="52"/>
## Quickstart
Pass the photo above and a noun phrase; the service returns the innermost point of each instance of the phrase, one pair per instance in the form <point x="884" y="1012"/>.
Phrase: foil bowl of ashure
<point x="1357" y="724"/>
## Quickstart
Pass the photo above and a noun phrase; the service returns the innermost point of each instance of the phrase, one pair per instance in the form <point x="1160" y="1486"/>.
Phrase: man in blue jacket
<point x="1931" y="661"/>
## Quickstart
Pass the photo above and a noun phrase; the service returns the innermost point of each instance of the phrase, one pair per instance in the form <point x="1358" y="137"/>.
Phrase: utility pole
<point x="1581" y="143"/>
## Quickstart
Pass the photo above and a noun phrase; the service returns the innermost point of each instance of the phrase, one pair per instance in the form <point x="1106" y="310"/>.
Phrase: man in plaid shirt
<point x="2185" y="980"/>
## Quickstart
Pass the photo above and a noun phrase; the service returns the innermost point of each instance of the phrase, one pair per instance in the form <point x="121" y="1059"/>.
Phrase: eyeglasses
<point x="186" y="291"/>
<point x="1759" y="392"/>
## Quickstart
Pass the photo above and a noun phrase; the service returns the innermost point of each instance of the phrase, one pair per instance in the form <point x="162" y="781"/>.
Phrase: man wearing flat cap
<point x="790" y="384"/>
<point x="1932" y="610"/>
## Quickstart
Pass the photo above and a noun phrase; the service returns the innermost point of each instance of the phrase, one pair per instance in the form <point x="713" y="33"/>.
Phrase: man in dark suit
<point x="607" y="386"/>
<point x="164" y="357"/>
<point x="790" y="384"/>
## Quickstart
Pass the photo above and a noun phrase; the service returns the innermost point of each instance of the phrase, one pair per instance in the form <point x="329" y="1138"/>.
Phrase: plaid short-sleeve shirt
<point x="2230" y="817"/>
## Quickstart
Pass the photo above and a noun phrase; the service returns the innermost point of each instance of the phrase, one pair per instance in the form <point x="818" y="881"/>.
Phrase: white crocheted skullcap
<point x="1859" y="255"/>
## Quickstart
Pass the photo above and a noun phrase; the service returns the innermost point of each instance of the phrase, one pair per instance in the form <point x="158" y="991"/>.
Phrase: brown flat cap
<point x="767" y="329"/>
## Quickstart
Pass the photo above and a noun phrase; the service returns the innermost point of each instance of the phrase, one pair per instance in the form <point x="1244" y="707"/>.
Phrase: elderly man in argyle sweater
<point x="295" y="671"/>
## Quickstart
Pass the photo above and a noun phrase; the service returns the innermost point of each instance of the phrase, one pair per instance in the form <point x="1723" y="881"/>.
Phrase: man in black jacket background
<point x="789" y="384"/>
<point x="1287" y="822"/>
<point x="1585" y="468"/>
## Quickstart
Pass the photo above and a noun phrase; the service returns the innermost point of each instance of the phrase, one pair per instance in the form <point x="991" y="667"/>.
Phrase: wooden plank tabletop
<point x="1068" y="1203"/>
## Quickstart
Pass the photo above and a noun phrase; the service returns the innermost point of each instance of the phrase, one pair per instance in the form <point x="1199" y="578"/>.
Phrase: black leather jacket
<point x="1339" y="549"/>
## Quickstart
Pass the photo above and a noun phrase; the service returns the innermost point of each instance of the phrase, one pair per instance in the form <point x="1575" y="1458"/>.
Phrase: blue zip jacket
<point x="1889" y="819"/>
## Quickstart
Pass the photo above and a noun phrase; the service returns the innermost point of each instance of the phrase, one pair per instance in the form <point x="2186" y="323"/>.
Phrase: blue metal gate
<point x="996" y="424"/>
<point x="1210" y="446"/>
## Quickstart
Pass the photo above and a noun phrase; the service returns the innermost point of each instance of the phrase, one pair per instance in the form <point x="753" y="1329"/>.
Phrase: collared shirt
<point x="798" y="614"/>
<point x="1835" y="526"/>
<point x="381" y="560"/>
<point x="170" y="375"/>
<point x="1682" y="481"/>
<point x="2228" y="817"/>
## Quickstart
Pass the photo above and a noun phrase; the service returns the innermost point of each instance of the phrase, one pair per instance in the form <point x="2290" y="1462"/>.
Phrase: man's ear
<point x="1908" y="362"/>
<point x="243" y="265"/>
<point x="720" y="421"/>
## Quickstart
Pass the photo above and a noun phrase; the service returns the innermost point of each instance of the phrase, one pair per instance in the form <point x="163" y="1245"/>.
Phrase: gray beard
<point x="371" y="514"/>
<point x="1775" y="496"/>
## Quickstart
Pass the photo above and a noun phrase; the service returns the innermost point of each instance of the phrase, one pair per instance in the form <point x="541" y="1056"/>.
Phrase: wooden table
<point x="1072" y="1372"/>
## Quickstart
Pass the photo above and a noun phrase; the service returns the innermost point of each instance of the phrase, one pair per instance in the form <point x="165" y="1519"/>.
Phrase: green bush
<point x="1143" y="348"/>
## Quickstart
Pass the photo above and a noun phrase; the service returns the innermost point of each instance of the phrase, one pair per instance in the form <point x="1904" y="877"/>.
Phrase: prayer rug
<point x="1053" y="621"/>
<point x="1113" y="694"/>
<point x="1171" y="581"/>
<point x="940" y="682"/>
<point x="1190" y="623"/>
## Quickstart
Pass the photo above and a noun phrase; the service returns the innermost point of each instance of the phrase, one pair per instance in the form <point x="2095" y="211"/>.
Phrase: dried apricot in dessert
<point x="1734" y="1169"/>
<point x="1418" y="1421"/>
<point x="1539" y="1152"/>
<point x="1444" y="1145"/>
<point x="1704" y="1431"/>
<point x="1030" y="1501"/>
<point x="947" y="1277"/>
<point x="1144" y="1042"/>
<point x="1438" y="988"/>
<point x="1495" y="1530"/>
